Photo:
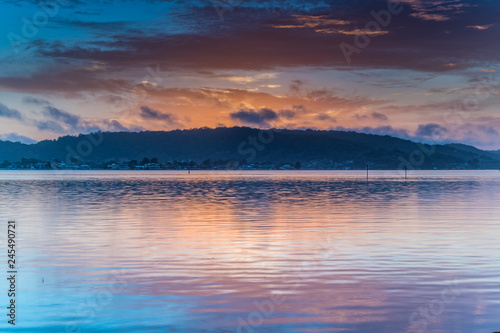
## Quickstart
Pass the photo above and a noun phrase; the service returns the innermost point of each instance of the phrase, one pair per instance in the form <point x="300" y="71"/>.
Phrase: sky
<point x="415" y="69"/>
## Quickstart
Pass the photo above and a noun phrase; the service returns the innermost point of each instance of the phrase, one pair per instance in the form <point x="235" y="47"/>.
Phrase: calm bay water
<point x="254" y="251"/>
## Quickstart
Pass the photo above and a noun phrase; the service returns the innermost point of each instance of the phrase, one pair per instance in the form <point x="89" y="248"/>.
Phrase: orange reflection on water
<point x="307" y="252"/>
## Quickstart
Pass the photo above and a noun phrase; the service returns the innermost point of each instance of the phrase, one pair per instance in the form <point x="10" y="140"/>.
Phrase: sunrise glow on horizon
<point x="419" y="70"/>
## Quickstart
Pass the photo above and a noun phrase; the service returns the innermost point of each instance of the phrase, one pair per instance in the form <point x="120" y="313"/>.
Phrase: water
<point x="255" y="251"/>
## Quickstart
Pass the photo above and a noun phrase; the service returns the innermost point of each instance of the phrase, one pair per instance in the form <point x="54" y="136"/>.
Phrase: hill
<point x="312" y="149"/>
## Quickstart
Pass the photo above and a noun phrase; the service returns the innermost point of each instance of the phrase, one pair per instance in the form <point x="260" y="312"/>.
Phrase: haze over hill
<point x="312" y="149"/>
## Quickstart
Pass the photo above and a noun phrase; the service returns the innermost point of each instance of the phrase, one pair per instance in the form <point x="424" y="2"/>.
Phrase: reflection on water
<point x="256" y="251"/>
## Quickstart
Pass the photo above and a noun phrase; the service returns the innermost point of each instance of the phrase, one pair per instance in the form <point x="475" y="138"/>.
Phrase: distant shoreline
<point x="244" y="170"/>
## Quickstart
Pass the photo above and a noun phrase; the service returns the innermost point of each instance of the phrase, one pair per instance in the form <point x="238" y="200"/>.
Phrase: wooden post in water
<point x="406" y="170"/>
<point x="367" y="172"/>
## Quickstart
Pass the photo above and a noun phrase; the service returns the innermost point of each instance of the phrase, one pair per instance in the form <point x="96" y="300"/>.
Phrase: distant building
<point x="152" y="166"/>
<point x="123" y="166"/>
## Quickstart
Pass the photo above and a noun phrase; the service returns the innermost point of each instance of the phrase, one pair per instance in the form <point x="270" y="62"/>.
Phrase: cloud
<point x="7" y="112"/>
<point x="294" y="45"/>
<point x="14" y="137"/>
<point x="287" y="114"/>
<point x="250" y="78"/>
<point x="62" y="122"/>
<point x="373" y="115"/>
<point x="326" y="117"/>
<point x="431" y="131"/>
<point x="116" y="126"/>
<point x="488" y="130"/>
<point x="252" y="117"/>
<point x="295" y="37"/>
<point x="93" y="25"/>
<point x="151" y="114"/>
<point x="360" y="116"/>
<point x="62" y="116"/>
<point x="49" y="125"/>
<point x="58" y="81"/>
<point x="246" y="106"/>
<point x="56" y="120"/>
<point x="480" y="27"/>
<point x="84" y="126"/>
<point x="438" y="11"/>
<point x="425" y="106"/>
<point x="324" y="24"/>
<point x="379" y="116"/>
<point x="481" y="132"/>
<point x="35" y="101"/>
<point x="311" y="21"/>
<point x="296" y="86"/>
